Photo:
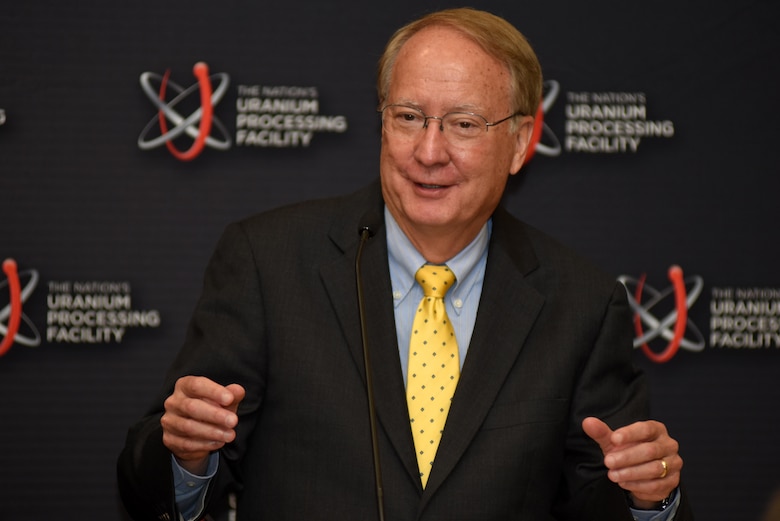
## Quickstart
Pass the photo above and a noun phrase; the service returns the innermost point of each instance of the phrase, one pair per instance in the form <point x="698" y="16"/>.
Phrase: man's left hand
<point x="641" y="458"/>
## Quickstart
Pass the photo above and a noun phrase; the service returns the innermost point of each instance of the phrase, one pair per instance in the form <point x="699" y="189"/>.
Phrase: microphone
<point x="367" y="229"/>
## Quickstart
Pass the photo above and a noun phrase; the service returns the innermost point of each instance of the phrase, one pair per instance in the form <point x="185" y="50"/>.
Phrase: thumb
<point x="599" y="431"/>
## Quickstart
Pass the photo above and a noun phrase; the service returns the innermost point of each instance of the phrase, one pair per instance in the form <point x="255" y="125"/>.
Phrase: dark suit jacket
<point x="278" y="314"/>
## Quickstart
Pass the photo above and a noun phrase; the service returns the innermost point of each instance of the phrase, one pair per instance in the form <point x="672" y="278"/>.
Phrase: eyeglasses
<point x="458" y="127"/>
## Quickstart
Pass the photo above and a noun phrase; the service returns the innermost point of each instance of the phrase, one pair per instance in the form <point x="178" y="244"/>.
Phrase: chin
<point x="433" y="218"/>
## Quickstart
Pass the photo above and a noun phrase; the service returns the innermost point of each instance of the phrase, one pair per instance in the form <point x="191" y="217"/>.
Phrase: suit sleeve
<point x="223" y="343"/>
<point x="612" y="389"/>
<point x="144" y="473"/>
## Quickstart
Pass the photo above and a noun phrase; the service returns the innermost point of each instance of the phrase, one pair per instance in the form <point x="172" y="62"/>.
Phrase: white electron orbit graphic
<point x="663" y="327"/>
<point x="27" y="290"/>
<point x="553" y="148"/>
<point x="188" y="125"/>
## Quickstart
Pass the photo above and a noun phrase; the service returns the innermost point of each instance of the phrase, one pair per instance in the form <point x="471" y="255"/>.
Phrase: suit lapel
<point x="498" y="337"/>
<point x="340" y="283"/>
<point x="496" y="342"/>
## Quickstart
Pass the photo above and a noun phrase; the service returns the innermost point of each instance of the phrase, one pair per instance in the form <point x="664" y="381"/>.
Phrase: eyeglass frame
<point x="441" y="118"/>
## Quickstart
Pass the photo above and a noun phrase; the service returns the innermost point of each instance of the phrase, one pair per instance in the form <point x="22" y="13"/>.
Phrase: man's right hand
<point x="200" y="417"/>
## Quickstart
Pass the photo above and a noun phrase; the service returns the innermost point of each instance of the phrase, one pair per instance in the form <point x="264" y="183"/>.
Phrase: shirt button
<point x="190" y="484"/>
<point x="397" y="295"/>
<point x="458" y="303"/>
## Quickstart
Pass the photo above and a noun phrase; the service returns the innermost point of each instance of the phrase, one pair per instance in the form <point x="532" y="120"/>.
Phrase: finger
<point x="599" y="432"/>
<point x="186" y="448"/>
<point x="639" y="432"/>
<point x="191" y="440"/>
<point x="238" y="393"/>
<point x="626" y="456"/>
<point x="664" y="468"/>
<point x="192" y="394"/>
<point x="204" y="388"/>
<point x="199" y="409"/>
<point x="658" y="485"/>
<point x="198" y="419"/>
<point x="187" y="443"/>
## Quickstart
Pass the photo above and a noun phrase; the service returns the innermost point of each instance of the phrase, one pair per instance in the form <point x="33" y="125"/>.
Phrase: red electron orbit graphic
<point x="201" y="71"/>
<point x="536" y="134"/>
<point x="15" y="288"/>
<point x="543" y="141"/>
<point x="172" y="124"/>
<point x="680" y="297"/>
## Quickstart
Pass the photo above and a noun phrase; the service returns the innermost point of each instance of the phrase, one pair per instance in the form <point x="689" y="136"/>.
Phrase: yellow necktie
<point x="434" y="365"/>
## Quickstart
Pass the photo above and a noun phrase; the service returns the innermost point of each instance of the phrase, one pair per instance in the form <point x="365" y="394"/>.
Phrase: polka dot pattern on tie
<point x="434" y="367"/>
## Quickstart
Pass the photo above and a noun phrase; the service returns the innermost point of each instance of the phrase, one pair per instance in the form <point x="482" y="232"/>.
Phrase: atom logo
<point x="13" y="311"/>
<point x="541" y="129"/>
<point x="197" y="125"/>
<point x="671" y="327"/>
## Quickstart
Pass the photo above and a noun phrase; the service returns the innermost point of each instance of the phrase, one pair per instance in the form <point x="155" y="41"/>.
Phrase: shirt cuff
<point x="190" y="489"/>
<point x="659" y="515"/>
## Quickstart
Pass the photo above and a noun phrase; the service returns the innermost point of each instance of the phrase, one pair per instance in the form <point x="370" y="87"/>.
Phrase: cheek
<point x="460" y="156"/>
<point x="480" y="165"/>
<point x="394" y="155"/>
<point x="392" y="170"/>
<point x="487" y="173"/>
<point x="496" y="160"/>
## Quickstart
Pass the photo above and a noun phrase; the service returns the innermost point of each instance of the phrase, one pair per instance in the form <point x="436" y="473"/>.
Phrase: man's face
<point x="432" y="185"/>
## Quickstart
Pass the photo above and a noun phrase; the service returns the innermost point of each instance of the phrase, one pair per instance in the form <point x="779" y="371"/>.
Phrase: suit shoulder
<point x="312" y="214"/>
<point x="552" y="250"/>
<point x="556" y="263"/>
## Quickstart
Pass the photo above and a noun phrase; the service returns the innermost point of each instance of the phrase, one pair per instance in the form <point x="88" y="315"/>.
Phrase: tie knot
<point x="435" y="279"/>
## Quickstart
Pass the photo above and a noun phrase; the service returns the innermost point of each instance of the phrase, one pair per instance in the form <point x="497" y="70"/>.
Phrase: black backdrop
<point x="100" y="226"/>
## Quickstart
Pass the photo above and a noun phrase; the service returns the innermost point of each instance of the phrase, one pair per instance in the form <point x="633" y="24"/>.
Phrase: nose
<point x="431" y="146"/>
<point x="440" y="124"/>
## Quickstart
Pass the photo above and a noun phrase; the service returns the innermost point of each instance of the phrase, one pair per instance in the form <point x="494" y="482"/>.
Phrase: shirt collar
<point x="405" y="260"/>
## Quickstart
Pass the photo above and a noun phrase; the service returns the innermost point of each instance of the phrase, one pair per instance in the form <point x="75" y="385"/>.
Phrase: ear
<point x="525" y="129"/>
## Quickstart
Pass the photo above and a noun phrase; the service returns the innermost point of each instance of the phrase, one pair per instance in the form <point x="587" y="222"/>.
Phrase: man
<point x="269" y="392"/>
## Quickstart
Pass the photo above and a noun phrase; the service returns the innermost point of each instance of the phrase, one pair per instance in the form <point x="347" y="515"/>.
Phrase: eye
<point x="464" y="124"/>
<point x="408" y="115"/>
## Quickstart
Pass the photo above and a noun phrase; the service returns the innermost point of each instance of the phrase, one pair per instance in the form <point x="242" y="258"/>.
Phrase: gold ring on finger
<point x="665" y="469"/>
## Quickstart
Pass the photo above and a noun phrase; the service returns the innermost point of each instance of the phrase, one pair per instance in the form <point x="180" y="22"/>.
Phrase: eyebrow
<point x="468" y="107"/>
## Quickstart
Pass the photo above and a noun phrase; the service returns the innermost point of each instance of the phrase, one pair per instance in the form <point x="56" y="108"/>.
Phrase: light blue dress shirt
<point x="462" y="300"/>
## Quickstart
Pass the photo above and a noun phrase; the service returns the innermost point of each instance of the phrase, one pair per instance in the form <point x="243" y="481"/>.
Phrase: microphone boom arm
<point x="365" y="234"/>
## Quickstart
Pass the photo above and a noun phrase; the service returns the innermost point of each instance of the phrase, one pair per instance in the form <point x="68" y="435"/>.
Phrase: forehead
<point x="440" y="64"/>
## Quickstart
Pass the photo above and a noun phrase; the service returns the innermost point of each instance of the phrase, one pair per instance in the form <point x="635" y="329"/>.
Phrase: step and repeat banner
<point x="132" y="134"/>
